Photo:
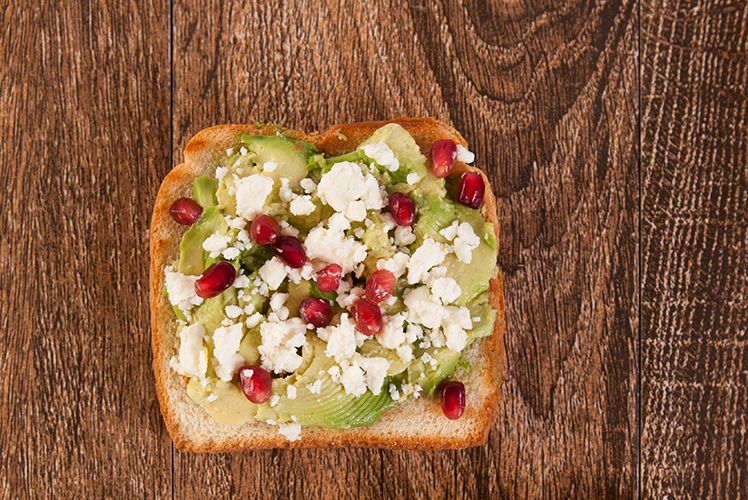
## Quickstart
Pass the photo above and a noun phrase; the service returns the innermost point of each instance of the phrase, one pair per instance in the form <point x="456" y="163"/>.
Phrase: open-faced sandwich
<point x="333" y="289"/>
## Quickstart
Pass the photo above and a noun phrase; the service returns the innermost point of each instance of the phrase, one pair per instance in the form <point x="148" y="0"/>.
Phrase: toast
<point x="416" y="424"/>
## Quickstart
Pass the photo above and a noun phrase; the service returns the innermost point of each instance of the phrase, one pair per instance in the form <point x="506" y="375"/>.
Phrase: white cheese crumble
<point x="395" y="264"/>
<point x="375" y="371"/>
<point x="393" y="333"/>
<point x="302" y="205"/>
<point x="344" y="185"/>
<point x="334" y="373"/>
<point x="291" y="392"/>
<point x="274" y="400"/>
<point x="231" y="253"/>
<point x="233" y="311"/>
<point x="394" y="393"/>
<point x="405" y="353"/>
<point x="446" y="290"/>
<point x="269" y="166"/>
<point x="341" y="339"/>
<point x="221" y="172"/>
<point x="412" y="178"/>
<point x="308" y="185"/>
<point x="251" y="193"/>
<point x="422" y="308"/>
<point x="226" y="340"/>
<point x="404" y="235"/>
<point x="216" y="243"/>
<point x="192" y="357"/>
<point x="382" y="154"/>
<point x="241" y="281"/>
<point x="464" y="155"/>
<point x="273" y="272"/>
<point x="181" y="290"/>
<point x="332" y="245"/>
<point x="280" y="340"/>
<point x="465" y="242"/>
<point x="253" y="320"/>
<point x="285" y="192"/>
<point x="353" y="380"/>
<point x="429" y="254"/>
<point x="291" y="431"/>
<point x="316" y="387"/>
<point x="450" y="232"/>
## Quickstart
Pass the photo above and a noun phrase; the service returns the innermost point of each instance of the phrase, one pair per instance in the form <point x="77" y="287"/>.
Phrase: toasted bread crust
<point x="472" y="429"/>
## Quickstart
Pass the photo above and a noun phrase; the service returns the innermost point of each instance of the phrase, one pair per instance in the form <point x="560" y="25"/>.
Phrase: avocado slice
<point x="332" y="407"/>
<point x="204" y="191"/>
<point x="210" y="312"/>
<point x="405" y="148"/>
<point x="230" y="407"/>
<point x="434" y="214"/>
<point x="192" y="257"/>
<point x="429" y="378"/>
<point x="291" y="157"/>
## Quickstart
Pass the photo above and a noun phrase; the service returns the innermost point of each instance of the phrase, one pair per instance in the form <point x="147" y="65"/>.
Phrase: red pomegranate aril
<point x="471" y="190"/>
<point x="453" y="399"/>
<point x="379" y="286"/>
<point x="315" y="311"/>
<point x="367" y="316"/>
<point x="328" y="279"/>
<point x="443" y="154"/>
<point x="185" y="211"/>
<point x="257" y="384"/>
<point x="402" y="209"/>
<point x="290" y="251"/>
<point x="215" y="279"/>
<point x="264" y="230"/>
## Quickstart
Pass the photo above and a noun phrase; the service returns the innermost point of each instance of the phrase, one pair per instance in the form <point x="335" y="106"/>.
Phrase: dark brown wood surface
<point x="614" y="134"/>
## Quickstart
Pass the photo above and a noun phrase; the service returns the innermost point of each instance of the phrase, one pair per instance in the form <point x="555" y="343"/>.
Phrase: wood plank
<point x="84" y="103"/>
<point x="694" y="235"/>
<point x="547" y="97"/>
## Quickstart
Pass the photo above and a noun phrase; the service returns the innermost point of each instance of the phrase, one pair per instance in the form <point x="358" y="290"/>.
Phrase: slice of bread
<point x="415" y="424"/>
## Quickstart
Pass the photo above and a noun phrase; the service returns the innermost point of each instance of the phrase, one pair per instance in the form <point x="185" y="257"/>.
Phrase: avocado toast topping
<point x="323" y="290"/>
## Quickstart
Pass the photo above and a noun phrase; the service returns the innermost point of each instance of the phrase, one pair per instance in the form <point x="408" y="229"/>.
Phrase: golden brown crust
<point x="200" y="155"/>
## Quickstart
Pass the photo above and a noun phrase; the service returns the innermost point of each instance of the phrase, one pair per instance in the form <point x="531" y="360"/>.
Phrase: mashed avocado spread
<point x="317" y="291"/>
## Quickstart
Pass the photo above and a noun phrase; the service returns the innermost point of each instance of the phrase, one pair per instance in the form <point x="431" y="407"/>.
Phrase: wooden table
<point x="615" y="136"/>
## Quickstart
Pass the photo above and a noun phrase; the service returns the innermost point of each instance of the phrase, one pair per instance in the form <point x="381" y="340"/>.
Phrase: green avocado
<point x="434" y="214"/>
<point x="192" y="257"/>
<point x="204" y="191"/>
<point x="291" y="157"/>
<point x="473" y="278"/>
<point x="405" y="148"/>
<point x="211" y="312"/>
<point x="230" y="407"/>
<point x="332" y="407"/>
<point x="429" y="378"/>
<point x="480" y="308"/>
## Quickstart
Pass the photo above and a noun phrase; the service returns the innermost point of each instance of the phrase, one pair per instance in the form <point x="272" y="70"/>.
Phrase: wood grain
<point x="694" y="237"/>
<point x="548" y="100"/>
<point x="84" y="107"/>
<point x="559" y="102"/>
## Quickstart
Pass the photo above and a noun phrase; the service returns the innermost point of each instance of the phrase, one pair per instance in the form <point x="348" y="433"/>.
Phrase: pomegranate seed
<point x="328" y="279"/>
<point x="471" y="189"/>
<point x="443" y="154"/>
<point x="185" y="211"/>
<point x="402" y="209"/>
<point x="453" y="399"/>
<point x="379" y="286"/>
<point x="315" y="311"/>
<point x="215" y="279"/>
<point x="264" y="229"/>
<point x="256" y="383"/>
<point x="290" y="250"/>
<point x="367" y="316"/>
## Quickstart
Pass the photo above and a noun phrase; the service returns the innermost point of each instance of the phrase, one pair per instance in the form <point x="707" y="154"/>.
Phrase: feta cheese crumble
<point x="465" y="242"/>
<point x="192" y="357"/>
<point x="226" y="340"/>
<point x="251" y="193"/>
<point x="349" y="190"/>
<point x="382" y="154"/>
<point x="464" y="155"/>
<point x="291" y="431"/>
<point x="180" y="289"/>
<point x="428" y="255"/>
<point x="280" y="340"/>
<point x="332" y="245"/>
